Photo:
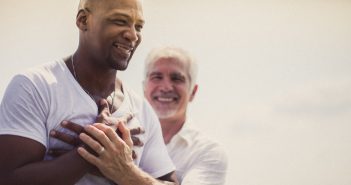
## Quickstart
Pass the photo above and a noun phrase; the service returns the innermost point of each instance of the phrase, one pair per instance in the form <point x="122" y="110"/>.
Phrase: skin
<point x="28" y="168"/>
<point x="118" y="24"/>
<point x="109" y="33"/>
<point x="168" y="89"/>
<point x="116" y="161"/>
<point x="105" y="118"/>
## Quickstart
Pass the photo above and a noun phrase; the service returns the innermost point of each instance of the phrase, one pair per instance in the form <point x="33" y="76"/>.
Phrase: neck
<point x="170" y="127"/>
<point x="92" y="76"/>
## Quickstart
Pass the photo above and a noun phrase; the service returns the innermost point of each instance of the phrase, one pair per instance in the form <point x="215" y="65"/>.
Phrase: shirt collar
<point x="186" y="132"/>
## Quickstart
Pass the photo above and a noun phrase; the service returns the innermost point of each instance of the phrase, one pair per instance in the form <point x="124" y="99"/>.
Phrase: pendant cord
<point x="112" y="96"/>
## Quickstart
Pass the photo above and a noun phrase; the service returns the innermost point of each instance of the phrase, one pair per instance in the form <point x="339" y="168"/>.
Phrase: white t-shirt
<point x="39" y="99"/>
<point x="198" y="160"/>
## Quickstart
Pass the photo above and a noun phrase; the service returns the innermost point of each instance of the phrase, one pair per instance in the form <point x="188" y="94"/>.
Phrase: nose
<point x="131" y="34"/>
<point x="166" y="85"/>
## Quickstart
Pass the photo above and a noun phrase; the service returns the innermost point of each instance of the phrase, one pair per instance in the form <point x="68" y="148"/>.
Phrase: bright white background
<point x="275" y="76"/>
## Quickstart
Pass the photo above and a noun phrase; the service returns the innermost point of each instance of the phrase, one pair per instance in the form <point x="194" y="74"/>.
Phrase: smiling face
<point x="111" y="30"/>
<point x="168" y="89"/>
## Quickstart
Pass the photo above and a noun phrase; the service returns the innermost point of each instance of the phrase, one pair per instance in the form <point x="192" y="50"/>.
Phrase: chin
<point x="121" y="66"/>
<point x="165" y="114"/>
<point x="119" y="63"/>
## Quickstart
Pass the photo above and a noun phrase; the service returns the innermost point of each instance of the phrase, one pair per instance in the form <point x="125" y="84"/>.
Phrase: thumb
<point x="125" y="134"/>
<point x="103" y="107"/>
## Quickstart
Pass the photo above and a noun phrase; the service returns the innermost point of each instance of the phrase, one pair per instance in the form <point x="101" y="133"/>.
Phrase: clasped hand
<point x="102" y="142"/>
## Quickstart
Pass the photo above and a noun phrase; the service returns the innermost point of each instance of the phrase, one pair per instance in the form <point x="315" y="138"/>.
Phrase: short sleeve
<point x="22" y="111"/>
<point x="155" y="159"/>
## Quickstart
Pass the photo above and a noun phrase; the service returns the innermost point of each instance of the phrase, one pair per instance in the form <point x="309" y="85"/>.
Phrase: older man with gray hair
<point x="169" y="85"/>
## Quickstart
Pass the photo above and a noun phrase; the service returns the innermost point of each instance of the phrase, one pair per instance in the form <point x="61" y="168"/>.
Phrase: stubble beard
<point x="164" y="114"/>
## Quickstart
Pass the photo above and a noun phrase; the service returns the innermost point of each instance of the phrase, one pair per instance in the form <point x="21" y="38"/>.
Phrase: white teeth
<point x="125" y="48"/>
<point x="165" y="99"/>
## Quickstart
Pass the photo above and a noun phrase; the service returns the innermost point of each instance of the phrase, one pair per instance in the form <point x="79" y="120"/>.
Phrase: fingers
<point x="92" y="146"/>
<point x="104" y="113"/>
<point x="95" y="137"/>
<point x="103" y="107"/>
<point x="134" y="155"/>
<point x="137" y="142"/>
<point x="113" y="121"/>
<point x="111" y="135"/>
<point x="125" y="134"/>
<point x="137" y="131"/>
<point x="126" y="118"/>
<point x="110" y="132"/>
<point x="72" y="127"/>
<point x="88" y="156"/>
<point x="67" y="138"/>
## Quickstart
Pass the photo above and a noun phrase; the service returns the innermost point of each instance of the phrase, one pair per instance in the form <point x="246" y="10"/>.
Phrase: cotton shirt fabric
<point x="198" y="160"/>
<point x="39" y="99"/>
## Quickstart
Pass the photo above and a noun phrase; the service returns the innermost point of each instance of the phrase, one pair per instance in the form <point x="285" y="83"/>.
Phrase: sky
<point x="274" y="76"/>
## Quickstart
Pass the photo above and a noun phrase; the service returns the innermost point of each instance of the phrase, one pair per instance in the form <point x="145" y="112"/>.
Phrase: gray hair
<point x="174" y="53"/>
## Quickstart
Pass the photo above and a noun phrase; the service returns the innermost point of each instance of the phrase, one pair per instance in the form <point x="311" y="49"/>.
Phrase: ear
<point x="82" y="20"/>
<point x="144" y="83"/>
<point x="193" y="92"/>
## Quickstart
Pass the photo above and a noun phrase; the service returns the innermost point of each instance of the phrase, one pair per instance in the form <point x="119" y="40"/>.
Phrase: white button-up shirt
<point x="198" y="160"/>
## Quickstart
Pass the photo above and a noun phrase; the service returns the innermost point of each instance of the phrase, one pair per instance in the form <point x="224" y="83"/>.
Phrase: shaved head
<point x="93" y="5"/>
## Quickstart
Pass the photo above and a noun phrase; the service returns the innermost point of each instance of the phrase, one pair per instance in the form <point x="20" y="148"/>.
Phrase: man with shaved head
<point x="83" y="89"/>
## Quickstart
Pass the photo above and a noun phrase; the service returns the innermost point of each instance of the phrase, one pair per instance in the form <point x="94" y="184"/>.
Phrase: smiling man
<point x="72" y="88"/>
<point x="170" y="85"/>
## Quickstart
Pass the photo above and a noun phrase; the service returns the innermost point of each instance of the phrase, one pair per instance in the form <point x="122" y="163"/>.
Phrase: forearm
<point x="135" y="176"/>
<point x="64" y="170"/>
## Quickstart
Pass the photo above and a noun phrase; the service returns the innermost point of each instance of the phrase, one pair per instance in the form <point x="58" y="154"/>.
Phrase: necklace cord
<point x="112" y="95"/>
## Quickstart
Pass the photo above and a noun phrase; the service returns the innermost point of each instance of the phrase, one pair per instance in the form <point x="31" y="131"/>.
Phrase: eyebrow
<point x="119" y="14"/>
<point x="178" y="74"/>
<point x="155" y="73"/>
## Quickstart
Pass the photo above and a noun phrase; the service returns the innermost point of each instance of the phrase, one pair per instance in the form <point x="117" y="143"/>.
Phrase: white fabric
<point x="36" y="102"/>
<point x="198" y="160"/>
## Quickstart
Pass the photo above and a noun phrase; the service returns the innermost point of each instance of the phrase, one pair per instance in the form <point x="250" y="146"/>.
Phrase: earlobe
<point x="193" y="92"/>
<point x="143" y="84"/>
<point x="82" y="19"/>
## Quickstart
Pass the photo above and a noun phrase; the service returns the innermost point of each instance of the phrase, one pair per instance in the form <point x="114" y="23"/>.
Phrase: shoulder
<point x="39" y="78"/>
<point x="46" y="71"/>
<point x="206" y="148"/>
<point x="40" y="75"/>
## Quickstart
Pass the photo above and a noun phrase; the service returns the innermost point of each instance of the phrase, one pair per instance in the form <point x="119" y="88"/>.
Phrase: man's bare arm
<point x="22" y="162"/>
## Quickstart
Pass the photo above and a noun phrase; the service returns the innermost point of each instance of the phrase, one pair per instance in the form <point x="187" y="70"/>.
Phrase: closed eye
<point x="178" y="78"/>
<point x="120" y="22"/>
<point x="138" y="28"/>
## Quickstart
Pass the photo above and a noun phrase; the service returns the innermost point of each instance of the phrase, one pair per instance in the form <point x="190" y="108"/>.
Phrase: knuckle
<point x="100" y="134"/>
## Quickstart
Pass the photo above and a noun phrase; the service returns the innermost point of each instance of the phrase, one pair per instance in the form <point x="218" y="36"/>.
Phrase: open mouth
<point x="124" y="48"/>
<point x="162" y="99"/>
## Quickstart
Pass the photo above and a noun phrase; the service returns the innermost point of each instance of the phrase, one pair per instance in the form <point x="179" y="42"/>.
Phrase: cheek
<point x="148" y="89"/>
<point x="138" y="41"/>
<point x="183" y="90"/>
